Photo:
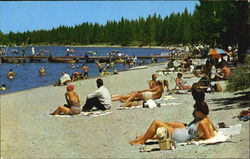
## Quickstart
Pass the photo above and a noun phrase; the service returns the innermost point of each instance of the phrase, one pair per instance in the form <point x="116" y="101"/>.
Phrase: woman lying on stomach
<point x="180" y="132"/>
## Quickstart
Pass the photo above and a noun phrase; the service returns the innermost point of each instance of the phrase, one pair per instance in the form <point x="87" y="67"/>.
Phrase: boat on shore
<point x="12" y="60"/>
<point x="62" y="60"/>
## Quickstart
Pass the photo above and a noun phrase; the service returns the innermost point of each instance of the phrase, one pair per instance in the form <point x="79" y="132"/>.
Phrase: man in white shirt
<point x="100" y="98"/>
<point x="65" y="79"/>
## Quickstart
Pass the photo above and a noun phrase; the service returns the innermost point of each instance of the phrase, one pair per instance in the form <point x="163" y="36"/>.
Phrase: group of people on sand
<point x="207" y="72"/>
<point x="200" y="127"/>
<point x="155" y="91"/>
<point x="101" y="99"/>
<point x="66" y="78"/>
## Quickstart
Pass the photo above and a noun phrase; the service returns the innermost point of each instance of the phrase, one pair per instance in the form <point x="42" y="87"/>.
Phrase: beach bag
<point x="149" y="104"/>
<point x="165" y="139"/>
<point x="217" y="87"/>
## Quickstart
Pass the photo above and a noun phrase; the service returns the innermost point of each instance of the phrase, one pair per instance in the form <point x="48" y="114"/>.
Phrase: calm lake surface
<point x="27" y="76"/>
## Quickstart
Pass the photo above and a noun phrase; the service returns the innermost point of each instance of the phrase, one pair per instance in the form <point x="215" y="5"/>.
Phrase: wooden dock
<point x="83" y="59"/>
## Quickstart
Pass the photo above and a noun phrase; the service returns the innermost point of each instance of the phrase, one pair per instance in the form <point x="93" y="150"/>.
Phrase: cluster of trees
<point x="220" y="22"/>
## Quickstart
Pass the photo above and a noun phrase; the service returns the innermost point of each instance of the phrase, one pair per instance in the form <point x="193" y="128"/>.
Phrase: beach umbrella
<point x="217" y="53"/>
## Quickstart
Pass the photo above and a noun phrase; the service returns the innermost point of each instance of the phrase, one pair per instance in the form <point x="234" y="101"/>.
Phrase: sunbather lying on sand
<point x="154" y="93"/>
<point x="203" y="129"/>
<point x="73" y="103"/>
<point x="200" y="128"/>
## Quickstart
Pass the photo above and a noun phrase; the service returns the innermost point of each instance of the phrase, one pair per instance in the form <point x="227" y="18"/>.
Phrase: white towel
<point x="222" y="135"/>
<point x="93" y="114"/>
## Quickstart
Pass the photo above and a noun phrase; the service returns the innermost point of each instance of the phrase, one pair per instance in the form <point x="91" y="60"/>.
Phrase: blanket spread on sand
<point x="152" y="104"/>
<point x="222" y="135"/>
<point x="91" y="114"/>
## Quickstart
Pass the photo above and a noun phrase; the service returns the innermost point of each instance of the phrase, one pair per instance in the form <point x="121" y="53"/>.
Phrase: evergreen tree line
<point x="212" y="22"/>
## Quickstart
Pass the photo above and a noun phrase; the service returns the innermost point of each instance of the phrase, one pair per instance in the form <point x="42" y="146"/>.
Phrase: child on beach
<point x="73" y="103"/>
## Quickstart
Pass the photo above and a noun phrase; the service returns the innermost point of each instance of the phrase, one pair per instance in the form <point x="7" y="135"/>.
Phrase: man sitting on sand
<point x="73" y="103"/>
<point x="65" y="79"/>
<point x="152" y="83"/>
<point x="101" y="98"/>
<point x="154" y="93"/>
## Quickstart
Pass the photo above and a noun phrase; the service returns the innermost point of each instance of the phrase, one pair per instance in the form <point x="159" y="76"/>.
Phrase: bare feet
<point x="136" y="142"/>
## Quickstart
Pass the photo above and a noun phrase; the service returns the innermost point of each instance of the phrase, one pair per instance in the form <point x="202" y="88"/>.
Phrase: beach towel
<point x="151" y="103"/>
<point x="89" y="114"/>
<point x="146" y="104"/>
<point x="222" y="135"/>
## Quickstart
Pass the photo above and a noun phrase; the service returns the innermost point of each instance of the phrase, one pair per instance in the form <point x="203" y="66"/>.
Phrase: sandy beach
<point x="28" y="131"/>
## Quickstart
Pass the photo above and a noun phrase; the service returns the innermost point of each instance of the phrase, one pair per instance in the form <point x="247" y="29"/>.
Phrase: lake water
<point x="27" y="76"/>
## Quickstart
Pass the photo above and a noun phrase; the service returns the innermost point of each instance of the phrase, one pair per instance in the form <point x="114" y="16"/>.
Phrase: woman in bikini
<point x="73" y="103"/>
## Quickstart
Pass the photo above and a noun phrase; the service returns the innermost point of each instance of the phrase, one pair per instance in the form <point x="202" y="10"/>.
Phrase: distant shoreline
<point x="113" y="46"/>
<point x="119" y="46"/>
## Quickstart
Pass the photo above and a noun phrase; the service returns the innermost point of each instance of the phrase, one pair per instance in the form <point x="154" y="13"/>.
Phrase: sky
<point x="20" y="16"/>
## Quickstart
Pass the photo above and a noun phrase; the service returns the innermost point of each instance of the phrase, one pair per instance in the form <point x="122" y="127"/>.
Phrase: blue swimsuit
<point x="185" y="134"/>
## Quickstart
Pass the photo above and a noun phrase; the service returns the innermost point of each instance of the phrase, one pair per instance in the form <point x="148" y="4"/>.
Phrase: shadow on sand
<point x="241" y="100"/>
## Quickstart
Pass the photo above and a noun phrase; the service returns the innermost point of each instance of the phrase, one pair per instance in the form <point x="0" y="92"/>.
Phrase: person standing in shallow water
<point x="85" y="70"/>
<point x="42" y="71"/>
<point x="11" y="74"/>
<point x="99" y="65"/>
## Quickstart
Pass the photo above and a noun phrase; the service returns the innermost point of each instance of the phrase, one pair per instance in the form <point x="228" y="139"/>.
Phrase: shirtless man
<point x="99" y="65"/>
<point x="85" y="71"/>
<point x="225" y="73"/>
<point x="152" y="83"/>
<point x="154" y="93"/>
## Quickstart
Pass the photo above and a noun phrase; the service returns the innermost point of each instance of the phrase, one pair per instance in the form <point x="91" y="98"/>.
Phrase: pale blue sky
<point x="20" y="16"/>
